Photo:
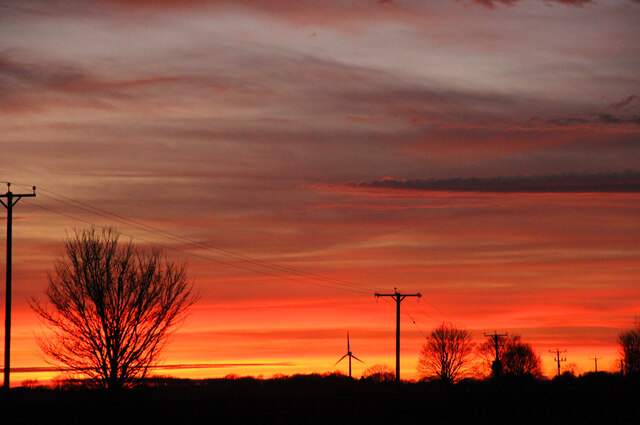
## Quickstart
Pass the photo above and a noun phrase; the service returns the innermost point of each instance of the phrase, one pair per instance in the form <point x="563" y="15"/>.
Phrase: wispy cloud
<point x="627" y="100"/>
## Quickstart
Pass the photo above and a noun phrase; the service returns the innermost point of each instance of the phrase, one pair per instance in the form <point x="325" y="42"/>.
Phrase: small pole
<point x="595" y="359"/>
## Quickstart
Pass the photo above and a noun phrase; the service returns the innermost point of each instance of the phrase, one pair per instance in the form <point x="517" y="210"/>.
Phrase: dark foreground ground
<point x="312" y="399"/>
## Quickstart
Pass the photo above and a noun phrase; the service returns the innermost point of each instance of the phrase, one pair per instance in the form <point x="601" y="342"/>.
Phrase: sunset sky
<point x="302" y="155"/>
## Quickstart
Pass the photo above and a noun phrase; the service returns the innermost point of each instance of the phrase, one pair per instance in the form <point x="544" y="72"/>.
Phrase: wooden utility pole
<point x="558" y="358"/>
<point x="12" y="199"/>
<point x="397" y="297"/>
<point x="496" y="367"/>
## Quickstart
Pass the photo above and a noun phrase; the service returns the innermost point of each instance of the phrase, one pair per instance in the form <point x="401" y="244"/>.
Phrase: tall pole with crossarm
<point x="12" y="199"/>
<point x="558" y="358"/>
<point x="496" y="366"/>
<point x="397" y="297"/>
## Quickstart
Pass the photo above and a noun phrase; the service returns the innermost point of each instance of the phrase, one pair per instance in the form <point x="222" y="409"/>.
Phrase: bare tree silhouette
<point x="629" y="342"/>
<point x="445" y="355"/>
<point x="111" y="307"/>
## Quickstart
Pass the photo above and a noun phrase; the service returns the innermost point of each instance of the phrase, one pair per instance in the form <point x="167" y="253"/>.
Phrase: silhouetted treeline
<point x="334" y="399"/>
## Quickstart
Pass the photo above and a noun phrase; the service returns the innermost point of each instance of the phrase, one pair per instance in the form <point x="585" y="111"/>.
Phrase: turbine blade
<point x="357" y="358"/>
<point x="348" y="347"/>
<point x="341" y="358"/>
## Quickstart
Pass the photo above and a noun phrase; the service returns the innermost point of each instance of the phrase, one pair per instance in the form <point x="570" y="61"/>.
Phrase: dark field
<point x="312" y="399"/>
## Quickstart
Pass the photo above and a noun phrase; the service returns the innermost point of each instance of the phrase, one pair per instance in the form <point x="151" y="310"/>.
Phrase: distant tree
<point x="231" y="376"/>
<point x="629" y="342"/>
<point x="572" y="369"/>
<point x="111" y="307"/>
<point x="30" y="383"/>
<point x="379" y="373"/>
<point x="520" y="359"/>
<point x="445" y="355"/>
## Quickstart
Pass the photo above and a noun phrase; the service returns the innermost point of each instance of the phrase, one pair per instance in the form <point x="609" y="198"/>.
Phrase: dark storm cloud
<point x="628" y="182"/>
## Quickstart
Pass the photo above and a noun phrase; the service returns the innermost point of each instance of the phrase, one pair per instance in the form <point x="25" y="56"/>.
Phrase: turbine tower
<point x="349" y="354"/>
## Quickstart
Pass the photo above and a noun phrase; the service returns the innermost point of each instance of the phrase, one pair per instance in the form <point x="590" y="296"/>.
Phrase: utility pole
<point x="595" y="359"/>
<point x="496" y="367"/>
<point x="397" y="297"/>
<point x="12" y="199"/>
<point x="558" y="358"/>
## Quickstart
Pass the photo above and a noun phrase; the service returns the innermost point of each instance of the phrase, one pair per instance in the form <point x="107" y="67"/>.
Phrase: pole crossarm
<point x="595" y="359"/>
<point x="12" y="200"/>
<point x="559" y="358"/>
<point x="397" y="297"/>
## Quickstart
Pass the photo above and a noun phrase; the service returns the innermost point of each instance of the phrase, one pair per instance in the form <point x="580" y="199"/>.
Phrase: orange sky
<point x="298" y="145"/>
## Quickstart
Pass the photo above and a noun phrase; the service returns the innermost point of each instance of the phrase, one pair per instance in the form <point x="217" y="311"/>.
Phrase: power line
<point x="243" y="261"/>
<point x="341" y="284"/>
<point x="427" y="315"/>
<point x="160" y="232"/>
<point x="211" y="258"/>
<point x="406" y="311"/>
<point x="274" y="270"/>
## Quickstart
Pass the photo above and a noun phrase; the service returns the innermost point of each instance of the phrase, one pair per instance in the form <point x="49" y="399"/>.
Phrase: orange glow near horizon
<point x="534" y="265"/>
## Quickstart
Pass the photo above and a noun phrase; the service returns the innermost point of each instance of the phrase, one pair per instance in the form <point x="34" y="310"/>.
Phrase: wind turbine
<point x="349" y="354"/>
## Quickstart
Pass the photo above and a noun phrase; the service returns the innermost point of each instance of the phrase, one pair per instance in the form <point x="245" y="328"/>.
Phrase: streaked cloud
<point x="33" y="369"/>
<point x="577" y="183"/>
